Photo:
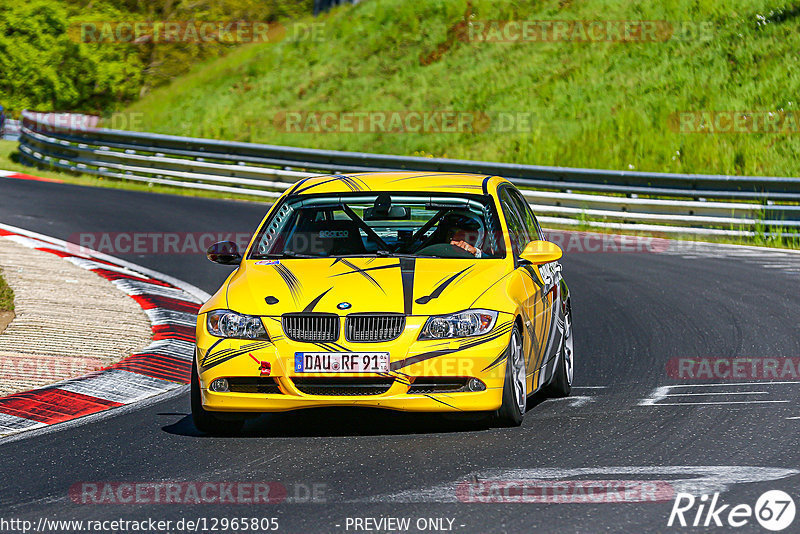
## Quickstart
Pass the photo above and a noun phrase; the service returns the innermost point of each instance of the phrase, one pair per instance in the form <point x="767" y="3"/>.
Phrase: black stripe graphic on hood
<point x="289" y="279"/>
<point x="490" y="287"/>
<point x="438" y="291"/>
<point x="362" y="272"/>
<point x="407" y="266"/>
<point x="314" y="302"/>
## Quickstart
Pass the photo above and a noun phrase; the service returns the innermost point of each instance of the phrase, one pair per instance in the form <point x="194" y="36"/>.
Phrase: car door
<point x="520" y="236"/>
<point x="548" y="276"/>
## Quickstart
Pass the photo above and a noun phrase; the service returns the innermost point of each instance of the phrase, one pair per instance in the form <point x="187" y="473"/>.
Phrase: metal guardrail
<point x="267" y="170"/>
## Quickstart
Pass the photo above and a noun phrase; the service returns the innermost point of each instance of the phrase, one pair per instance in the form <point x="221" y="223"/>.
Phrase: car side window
<point x="517" y="231"/>
<point x="534" y="230"/>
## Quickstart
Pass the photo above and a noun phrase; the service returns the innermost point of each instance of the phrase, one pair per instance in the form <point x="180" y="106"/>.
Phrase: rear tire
<point x="515" y="387"/>
<point x="561" y="386"/>
<point x="205" y="421"/>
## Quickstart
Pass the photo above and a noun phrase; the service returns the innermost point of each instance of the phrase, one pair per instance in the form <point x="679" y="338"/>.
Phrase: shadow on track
<point x="348" y="422"/>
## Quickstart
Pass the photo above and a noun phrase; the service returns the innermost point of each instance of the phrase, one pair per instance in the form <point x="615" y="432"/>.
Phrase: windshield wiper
<point x="286" y="254"/>
<point x="388" y="254"/>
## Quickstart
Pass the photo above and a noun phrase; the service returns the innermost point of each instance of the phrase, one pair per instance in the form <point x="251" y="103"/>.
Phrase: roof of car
<point x="443" y="182"/>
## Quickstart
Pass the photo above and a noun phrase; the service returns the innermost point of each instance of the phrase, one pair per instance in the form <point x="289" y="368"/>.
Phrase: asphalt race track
<point x="633" y="313"/>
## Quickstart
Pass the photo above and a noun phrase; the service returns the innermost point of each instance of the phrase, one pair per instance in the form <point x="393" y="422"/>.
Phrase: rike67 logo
<point x="774" y="510"/>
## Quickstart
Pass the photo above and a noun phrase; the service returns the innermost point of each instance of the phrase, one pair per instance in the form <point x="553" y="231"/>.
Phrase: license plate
<point x="341" y="362"/>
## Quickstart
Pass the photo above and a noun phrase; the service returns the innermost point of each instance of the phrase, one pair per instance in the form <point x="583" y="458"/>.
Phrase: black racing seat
<point x="327" y="238"/>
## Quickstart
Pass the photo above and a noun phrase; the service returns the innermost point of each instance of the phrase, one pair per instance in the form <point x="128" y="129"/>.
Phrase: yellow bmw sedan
<point x="426" y="292"/>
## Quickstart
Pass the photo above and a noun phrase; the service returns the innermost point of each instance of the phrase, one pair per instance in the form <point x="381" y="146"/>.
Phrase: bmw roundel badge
<point x="344" y="305"/>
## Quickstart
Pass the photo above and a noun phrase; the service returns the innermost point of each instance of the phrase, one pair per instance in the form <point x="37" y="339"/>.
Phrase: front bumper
<point x="481" y="357"/>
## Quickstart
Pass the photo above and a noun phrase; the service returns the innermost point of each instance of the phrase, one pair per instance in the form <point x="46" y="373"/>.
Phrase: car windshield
<point x="382" y="224"/>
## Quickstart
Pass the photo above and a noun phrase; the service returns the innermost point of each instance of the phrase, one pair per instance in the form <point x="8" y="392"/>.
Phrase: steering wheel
<point x="444" y="250"/>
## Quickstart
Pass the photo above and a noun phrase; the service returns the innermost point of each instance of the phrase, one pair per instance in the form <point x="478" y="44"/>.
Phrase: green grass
<point x="9" y="161"/>
<point x="600" y="105"/>
<point x="6" y="296"/>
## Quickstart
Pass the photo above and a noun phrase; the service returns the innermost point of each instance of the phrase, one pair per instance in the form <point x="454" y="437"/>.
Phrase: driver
<point x="461" y="227"/>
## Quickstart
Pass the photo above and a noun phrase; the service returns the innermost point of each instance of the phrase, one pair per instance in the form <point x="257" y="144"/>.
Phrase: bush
<point x="44" y="66"/>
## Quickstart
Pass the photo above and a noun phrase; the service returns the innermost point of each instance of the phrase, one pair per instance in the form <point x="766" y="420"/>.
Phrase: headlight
<point x="226" y="323"/>
<point x="462" y="324"/>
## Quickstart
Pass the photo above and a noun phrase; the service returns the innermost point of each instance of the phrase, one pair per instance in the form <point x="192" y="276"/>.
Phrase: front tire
<point x="205" y="421"/>
<point x="515" y="386"/>
<point x="561" y="386"/>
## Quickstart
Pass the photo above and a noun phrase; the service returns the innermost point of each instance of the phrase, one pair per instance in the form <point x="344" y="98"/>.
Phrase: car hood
<point x="414" y="286"/>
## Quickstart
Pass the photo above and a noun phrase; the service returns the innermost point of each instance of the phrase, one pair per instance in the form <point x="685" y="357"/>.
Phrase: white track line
<point x="721" y="402"/>
<point x="732" y="384"/>
<point x="717" y="393"/>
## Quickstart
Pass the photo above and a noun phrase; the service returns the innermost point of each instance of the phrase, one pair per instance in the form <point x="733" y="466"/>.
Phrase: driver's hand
<point x="466" y="246"/>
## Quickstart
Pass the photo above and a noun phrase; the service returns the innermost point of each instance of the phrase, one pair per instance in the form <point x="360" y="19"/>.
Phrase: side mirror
<point x="225" y="253"/>
<point x="541" y="252"/>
